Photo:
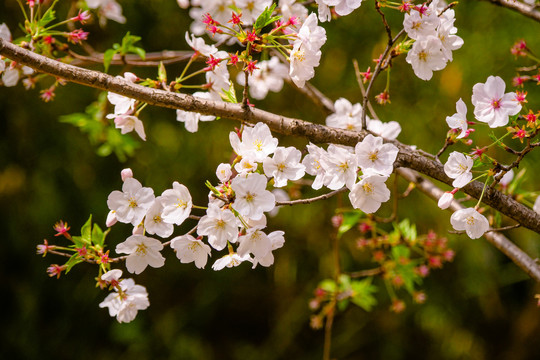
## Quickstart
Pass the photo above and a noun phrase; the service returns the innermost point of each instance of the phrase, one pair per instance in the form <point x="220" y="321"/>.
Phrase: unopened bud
<point x="111" y="218"/>
<point x="445" y="200"/>
<point x="126" y="173"/>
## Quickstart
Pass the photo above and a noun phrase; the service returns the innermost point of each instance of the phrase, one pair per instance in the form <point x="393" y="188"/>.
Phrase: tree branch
<point x="407" y="157"/>
<point x="527" y="10"/>
<point x="501" y="242"/>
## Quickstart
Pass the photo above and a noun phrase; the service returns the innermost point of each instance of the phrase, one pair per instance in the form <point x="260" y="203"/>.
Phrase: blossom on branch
<point x="130" y="204"/>
<point x="188" y="249"/>
<point x="458" y="167"/>
<point x="127" y="299"/>
<point x="142" y="251"/>
<point x="470" y="220"/>
<point x="491" y="104"/>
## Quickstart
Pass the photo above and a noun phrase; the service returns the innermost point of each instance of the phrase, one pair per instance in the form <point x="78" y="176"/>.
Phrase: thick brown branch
<point x="408" y="156"/>
<point x="520" y="258"/>
<point x="527" y="10"/>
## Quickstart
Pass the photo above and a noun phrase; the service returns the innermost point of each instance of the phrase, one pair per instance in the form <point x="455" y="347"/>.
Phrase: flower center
<point x="141" y="250"/>
<point x="249" y="197"/>
<point x="470" y="220"/>
<point x="132" y="202"/>
<point x="374" y="156"/>
<point x="496" y="104"/>
<point x="220" y="224"/>
<point x="344" y="166"/>
<point x="258" y="145"/>
<point x="422" y="56"/>
<point x="368" y="188"/>
<point x="157" y="219"/>
<point x="281" y="167"/>
<point x="181" y="203"/>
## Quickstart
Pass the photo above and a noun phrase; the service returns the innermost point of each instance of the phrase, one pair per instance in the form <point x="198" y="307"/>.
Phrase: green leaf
<point x="400" y="251"/>
<point x="350" y="219"/>
<point x="107" y="58"/>
<point x="86" y="231"/>
<point x="362" y="295"/>
<point x="78" y="241"/>
<point x="49" y="16"/>
<point x="229" y="95"/>
<point x="73" y="260"/>
<point x="162" y="72"/>
<point x="408" y="230"/>
<point x="328" y="285"/>
<point x="98" y="235"/>
<point x="264" y="18"/>
<point x="139" y="51"/>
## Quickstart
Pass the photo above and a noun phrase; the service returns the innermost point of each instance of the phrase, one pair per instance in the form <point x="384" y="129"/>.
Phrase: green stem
<point x="482" y="194"/>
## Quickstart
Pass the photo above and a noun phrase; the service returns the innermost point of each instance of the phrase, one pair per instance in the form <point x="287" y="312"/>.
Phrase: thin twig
<point x="310" y="200"/>
<point x="366" y="273"/>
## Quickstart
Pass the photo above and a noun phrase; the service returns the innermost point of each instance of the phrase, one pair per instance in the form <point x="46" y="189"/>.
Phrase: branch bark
<point x="527" y="10"/>
<point x="520" y="258"/>
<point x="408" y="156"/>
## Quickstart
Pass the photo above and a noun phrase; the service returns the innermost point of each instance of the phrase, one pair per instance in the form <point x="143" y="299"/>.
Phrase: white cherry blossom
<point x="142" y="251"/>
<point x="153" y="221"/>
<point x="128" y="123"/>
<point x="344" y="7"/>
<point x="420" y="26"/>
<point x="340" y="165"/>
<point x="284" y="165"/>
<point x="426" y="56"/>
<point x="312" y="162"/>
<point x="191" y="119"/>
<point x="130" y="204"/>
<point x="459" y="119"/>
<point x="188" y="249"/>
<point x="198" y="44"/>
<point x="224" y="172"/>
<point x="372" y="154"/>
<point x="230" y="261"/>
<point x="277" y="240"/>
<point x="256" y="144"/>
<point x="491" y="104"/>
<point x="445" y="200"/>
<point x="388" y="130"/>
<point x="458" y="167"/>
<point x="470" y="220"/>
<point x="176" y="204"/>
<point x="10" y="77"/>
<point x="252" y="198"/>
<point x="220" y="225"/>
<point x="251" y="9"/>
<point x="254" y="242"/>
<point x="124" y="305"/>
<point x="369" y="193"/>
<point x="269" y="76"/>
<point x="346" y="116"/>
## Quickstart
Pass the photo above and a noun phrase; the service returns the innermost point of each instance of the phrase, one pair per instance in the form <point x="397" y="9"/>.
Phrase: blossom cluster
<point x="435" y="38"/>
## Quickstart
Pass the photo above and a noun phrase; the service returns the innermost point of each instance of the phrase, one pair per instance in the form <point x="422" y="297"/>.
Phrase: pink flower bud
<point x="138" y="230"/>
<point x="126" y="174"/>
<point x="445" y="200"/>
<point x="131" y="77"/>
<point x="111" y="218"/>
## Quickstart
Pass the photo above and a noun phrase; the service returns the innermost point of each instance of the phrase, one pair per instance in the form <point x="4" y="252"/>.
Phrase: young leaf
<point x="362" y="293"/>
<point x="86" y="231"/>
<point x="107" y="58"/>
<point x="350" y="219"/>
<point x="73" y="260"/>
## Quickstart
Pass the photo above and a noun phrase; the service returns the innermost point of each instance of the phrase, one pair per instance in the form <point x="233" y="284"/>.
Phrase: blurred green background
<point x="481" y="306"/>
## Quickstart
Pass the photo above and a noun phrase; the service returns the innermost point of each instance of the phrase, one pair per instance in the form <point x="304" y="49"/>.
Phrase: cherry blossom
<point x="491" y="104"/>
<point x="372" y="154"/>
<point x="230" y="261"/>
<point x="470" y="220"/>
<point x="269" y="76"/>
<point x="458" y="167"/>
<point x="220" y="225"/>
<point x="10" y="77"/>
<point x="459" y="119"/>
<point x="191" y="119"/>
<point x="153" y="221"/>
<point x="388" y="130"/>
<point x="188" y="249"/>
<point x="200" y="46"/>
<point x="369" y="193"/>
<point x="224" y="172"/>
<point x="176" y="204"/>
<point x="347" y="116"/>
<point x="128" y="123"/>
<point x="284" y="165"/>
<point x="130" y="204"/>
<point x="420" y="26"/>
<point x="254" y="242"/>
<point x="252" y="198"/>
<point x="108" y="9"/>
<point x="343" y="7"/>
<point x="277" y="240"/>
<point x="251" y="9"/>
<point x="340" y="165"/>
<point x="445" y="200"/>
<point x="256" y="144"/>
<point x="313" y="165"/>
<point x="127" y="299"/>
<point x="5" y="34"/>
<point x="142" y="251"/>
<point x="426" y="56"/>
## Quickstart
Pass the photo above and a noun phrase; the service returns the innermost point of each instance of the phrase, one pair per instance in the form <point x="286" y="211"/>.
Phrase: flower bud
<point x="131" y="77"/>
<point x="224" y="172"/>
<point x="446" y="200"/>
<point x="126" y="173"/>
<point x="111" y="218"/>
